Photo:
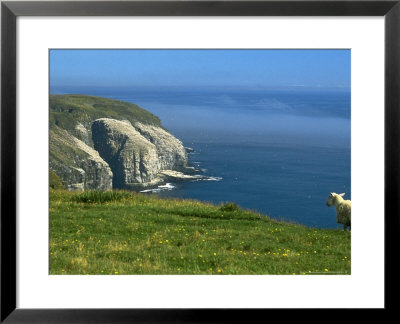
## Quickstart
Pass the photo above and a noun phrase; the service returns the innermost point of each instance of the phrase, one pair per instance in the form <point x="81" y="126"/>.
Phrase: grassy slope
<point x="127" y="233"/>
<point x="55" y="182"/>
<point x="67" y="110"/>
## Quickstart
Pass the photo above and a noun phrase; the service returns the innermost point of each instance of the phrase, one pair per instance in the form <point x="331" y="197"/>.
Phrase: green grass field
<point x="123" y="233"/>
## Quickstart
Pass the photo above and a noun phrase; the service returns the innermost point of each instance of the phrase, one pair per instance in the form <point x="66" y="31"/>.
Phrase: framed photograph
<point x="184" y="160"/>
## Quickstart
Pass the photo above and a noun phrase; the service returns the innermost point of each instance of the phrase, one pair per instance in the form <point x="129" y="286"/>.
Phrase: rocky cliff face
<point x="131" y="156"/>
<point x="76" y="163"/>
<point x="171" y="153"/>
<point x="105" y="153"/>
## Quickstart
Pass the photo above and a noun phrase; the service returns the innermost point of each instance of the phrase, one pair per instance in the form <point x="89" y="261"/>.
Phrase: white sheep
<point x="343" y="208"/>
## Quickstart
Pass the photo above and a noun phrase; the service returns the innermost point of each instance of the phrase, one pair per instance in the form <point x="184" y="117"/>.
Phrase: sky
<point x="201" y="68"/>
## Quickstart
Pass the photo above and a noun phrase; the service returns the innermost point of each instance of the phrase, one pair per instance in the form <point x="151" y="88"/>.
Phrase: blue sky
<point x="201" y="68"/>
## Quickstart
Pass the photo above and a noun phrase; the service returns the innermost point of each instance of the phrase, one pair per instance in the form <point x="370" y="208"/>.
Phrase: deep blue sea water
<point x="277" y="152"/>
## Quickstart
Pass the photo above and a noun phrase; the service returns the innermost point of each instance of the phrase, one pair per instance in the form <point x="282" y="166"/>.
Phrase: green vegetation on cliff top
<point x="67" y="110"/>
<point x="125" y="233"/>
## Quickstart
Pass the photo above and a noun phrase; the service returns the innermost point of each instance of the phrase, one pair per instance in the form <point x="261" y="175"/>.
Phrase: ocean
<point x="279" y="152"/>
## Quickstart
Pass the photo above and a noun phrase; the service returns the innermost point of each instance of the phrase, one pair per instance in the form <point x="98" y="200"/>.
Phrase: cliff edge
<point x="99" y="143"/>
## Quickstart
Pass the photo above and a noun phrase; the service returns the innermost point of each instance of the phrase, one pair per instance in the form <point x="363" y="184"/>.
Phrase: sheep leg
<point x="344" y="227"/>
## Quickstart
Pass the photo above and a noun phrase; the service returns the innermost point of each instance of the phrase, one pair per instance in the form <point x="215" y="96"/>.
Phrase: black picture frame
<point x="10" y="10"/>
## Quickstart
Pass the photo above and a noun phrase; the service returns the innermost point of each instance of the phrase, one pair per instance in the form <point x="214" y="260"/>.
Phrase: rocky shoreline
<point x="169" y="178"/>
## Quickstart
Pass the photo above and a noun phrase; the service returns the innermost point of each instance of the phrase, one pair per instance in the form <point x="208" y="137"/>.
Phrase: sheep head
<point x="333" y="197"/>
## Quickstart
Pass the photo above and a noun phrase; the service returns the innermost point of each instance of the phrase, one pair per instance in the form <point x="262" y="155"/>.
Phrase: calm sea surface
<point x="277" y="152"/>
